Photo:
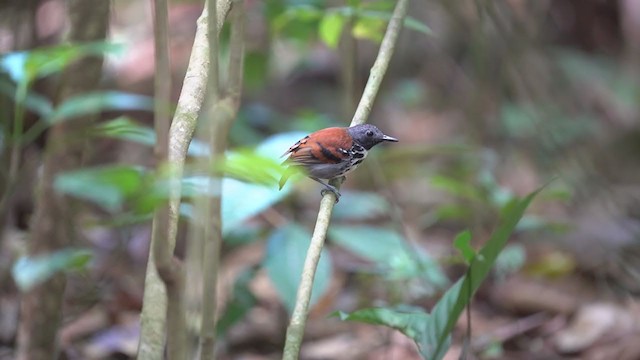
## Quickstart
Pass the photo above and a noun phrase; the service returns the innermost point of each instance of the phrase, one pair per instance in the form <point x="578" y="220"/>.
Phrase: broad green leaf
<point x="26" y="66"/>
<point x="87" y="104"/>
<point x="360" y="206"/>
<point x="331" y="28"/>
<point x="447" y="310"/>
<point x="408" y="320"/>
<point x="252" y="167"/>
<point x="286" y="252"/>
<point x="30" y="271"/>
<point x="387" y="249"/>
<point x="107" y="186"/>
<point x="432" y="332"/>
<point x="298" y="22"/>
<point x="462" y="242"/>
<point x="124" y="128"/>
<point x="242" y="201"/>
<point x="369" y="28"/>
<point x="373" y="243"/>
<point x="97" y="102"/>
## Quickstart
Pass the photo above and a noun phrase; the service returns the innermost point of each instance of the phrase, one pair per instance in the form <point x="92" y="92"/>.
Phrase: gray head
<point x="368" y="135"/>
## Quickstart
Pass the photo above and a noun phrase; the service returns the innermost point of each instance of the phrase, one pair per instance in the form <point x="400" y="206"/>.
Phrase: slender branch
<point x="295" y="330"/>
<point x="16" y="151"/>
<point x="223" y="113"/>
<point x="169" y="270"/>
<point x="349" y="54"/>
<point x="211" y="222"/>
<point x="153" y="317"/>
<point x="379" y="68"/>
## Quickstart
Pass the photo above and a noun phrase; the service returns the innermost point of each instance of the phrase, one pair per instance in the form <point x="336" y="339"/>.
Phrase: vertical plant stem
<point x="295" y="330"/>
<point x="211" y="222"/>
<point x="15" y="154"/>
<point x="379" y="68"/>
<point x="170" y="271"/>
<point x="349" y="55"/>
<point x="154" y="308"/>
<point x="223" y="112"/>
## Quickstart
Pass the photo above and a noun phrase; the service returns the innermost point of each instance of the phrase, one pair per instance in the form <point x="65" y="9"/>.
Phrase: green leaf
<point x="286" y="252"/>
<point x="97" y="102"/>
<point x="331" y="28"/>
<point x="462" y="242"/>
<point x="107" y="186"/>
<point x="360" y="206"/>
<point x="124" y="128"/>
<point x="26" y="66"/>
<point x="242" y="201"/>
<point x="298" y="22"/>
<point x="385" y="16"/>
<point x="408" y="320"/>
<point x="373" y="243"/>
<point x="387" y="249"/>
<point x="369" y="28"/>
<point x="418" y="26"/>
<point x="252" y="167"/>
<point x="432" y="332"/>
<point x="30" y="271"/>
<point x="446" y="312"/>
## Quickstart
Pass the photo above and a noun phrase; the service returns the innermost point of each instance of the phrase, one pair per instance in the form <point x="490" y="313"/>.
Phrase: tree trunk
<point x="53" y="226"/>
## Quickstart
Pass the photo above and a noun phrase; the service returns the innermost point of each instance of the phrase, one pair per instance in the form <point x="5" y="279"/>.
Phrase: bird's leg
<point x="328" y="188"/>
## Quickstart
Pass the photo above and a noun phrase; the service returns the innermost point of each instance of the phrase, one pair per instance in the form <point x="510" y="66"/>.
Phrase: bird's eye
<point x="369" y="133"/>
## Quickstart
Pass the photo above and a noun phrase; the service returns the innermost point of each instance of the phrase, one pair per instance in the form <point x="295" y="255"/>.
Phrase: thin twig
<point x="295" y="330"/>
<point x="222" y="114"/>
<point x="349" y="55"/>
<point x="168" y="269"/>
<point x="211" y="231"/>
<point x="16" y="152"/>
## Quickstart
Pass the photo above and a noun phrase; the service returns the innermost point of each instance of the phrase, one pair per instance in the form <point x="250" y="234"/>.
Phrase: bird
<point x="331" y="153"/>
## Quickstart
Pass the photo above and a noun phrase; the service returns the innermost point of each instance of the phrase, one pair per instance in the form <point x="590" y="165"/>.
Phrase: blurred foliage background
<point x="490" y="100"/>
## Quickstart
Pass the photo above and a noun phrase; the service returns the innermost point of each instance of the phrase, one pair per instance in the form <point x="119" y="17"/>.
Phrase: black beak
<point x="389" y="138"/>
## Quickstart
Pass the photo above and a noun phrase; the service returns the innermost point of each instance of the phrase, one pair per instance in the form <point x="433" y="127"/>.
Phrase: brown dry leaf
<point x="522" y="294"/>
<point x="97" y="318"/>
<point x="398" y="346"/>
<point x="119" y="339"/>
<point x="592" y="323"/>
<point x="342" y="346"/>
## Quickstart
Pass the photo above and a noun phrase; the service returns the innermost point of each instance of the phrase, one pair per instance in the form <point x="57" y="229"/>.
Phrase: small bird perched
<point x="332" y="152"/>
